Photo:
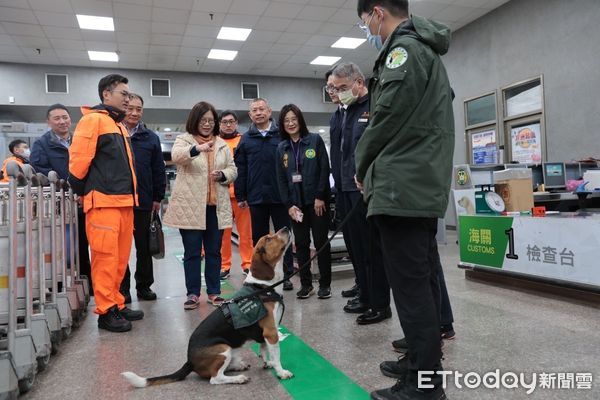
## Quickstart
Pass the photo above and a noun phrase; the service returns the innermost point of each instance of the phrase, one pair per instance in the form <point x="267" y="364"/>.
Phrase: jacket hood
<point x="115" y="114"/>
<point x="435" y="35"/>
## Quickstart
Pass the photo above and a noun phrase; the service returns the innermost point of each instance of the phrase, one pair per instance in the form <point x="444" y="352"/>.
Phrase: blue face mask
<point x="374" y="40"/>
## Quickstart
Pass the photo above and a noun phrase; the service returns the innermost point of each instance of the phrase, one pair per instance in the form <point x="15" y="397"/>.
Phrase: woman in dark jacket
<point x="303" y="178"/>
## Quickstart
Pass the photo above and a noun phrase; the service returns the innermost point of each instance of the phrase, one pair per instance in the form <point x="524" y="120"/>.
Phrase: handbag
<point x="156" y="237"/>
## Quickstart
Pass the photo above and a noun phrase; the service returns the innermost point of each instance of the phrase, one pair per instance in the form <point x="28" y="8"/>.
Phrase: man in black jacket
<point x="51" y="153"/>
<point x="374" y="299"/>
<point x="152" y="180"/>
<point x="256" y="185"/>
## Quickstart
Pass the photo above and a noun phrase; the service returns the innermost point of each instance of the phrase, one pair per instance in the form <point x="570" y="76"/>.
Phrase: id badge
<point x="296" y="178"/>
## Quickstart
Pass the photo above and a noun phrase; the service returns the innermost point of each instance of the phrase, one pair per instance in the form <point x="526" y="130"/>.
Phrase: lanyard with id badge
<point x="297" y="176"/>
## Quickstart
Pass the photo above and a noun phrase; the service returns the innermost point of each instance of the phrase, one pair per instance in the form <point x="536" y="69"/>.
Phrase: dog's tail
<point x="139" y="382"/>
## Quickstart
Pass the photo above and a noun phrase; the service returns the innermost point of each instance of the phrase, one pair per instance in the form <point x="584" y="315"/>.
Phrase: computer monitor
<point x="554" y="175"/>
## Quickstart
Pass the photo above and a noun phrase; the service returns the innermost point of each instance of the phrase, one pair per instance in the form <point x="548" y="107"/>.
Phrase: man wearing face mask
<point x="404" y="163"/>
<point x="373" y="301"/>
<point x="20" y="153"/>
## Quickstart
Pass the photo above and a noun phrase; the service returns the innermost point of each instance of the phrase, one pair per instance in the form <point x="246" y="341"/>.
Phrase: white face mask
<point x="26" y="153"/>
<point x="348" y="97"/>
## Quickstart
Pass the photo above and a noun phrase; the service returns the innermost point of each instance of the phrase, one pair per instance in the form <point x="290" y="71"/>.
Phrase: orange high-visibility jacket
<point x="3" y="173"/>
<point x="101" y="165"/>
<point x="232" y="144"/>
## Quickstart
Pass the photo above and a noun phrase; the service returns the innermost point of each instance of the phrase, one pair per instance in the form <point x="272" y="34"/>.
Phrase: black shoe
<point x="246" y="271"/>
<point x="352" y="292"/>
<point x="305" y="292"/>
<point x="395" y="369"/>
<point x="402" y="391"/>
<point x="447" y="332"/>
<point x="400" y="346"/>
<point x="132" y="315"/>
<point x="356" y="308"/>
<point x="324" y="292"/>
<point x="354" y="300"/>
<point x="225" y="274"/>
<point x="113" y="321"/>
<point x="127" y="296"/>
<point x="373" y="317"/>
<point x="146" y="294"/>
<point x="287" y="285"/>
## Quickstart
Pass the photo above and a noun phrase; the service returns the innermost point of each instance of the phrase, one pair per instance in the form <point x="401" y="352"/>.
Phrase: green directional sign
<point x="484" y="240"/>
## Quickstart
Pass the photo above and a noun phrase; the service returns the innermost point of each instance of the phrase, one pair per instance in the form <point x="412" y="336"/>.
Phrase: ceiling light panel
<point x="110" y="56"/>
<point x="217" y="54"/>
<point x="238" y="34"/>
<point x="324" y="60"/>
<point x="95" y="23"/>
<point x="348" y="43"/>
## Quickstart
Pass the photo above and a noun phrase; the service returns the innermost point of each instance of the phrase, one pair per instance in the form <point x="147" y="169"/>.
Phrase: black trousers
<point x="320" y="228"/>
<point x="144" y="274"/>
<point x="261" y="214"/>
<point x="409" y="256"/>
<point x="378" y="286"/>
<point x="85" y="268"/>
<point x="446" y="316"/>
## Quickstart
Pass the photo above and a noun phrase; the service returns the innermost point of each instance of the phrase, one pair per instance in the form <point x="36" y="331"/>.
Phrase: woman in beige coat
<point x="199" y="205"/>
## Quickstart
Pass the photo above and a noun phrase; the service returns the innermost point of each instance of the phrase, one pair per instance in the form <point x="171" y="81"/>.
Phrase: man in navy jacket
<point x="151" y="180"/>
<point x="256" y="185"/>
<point x="51" y="153"/>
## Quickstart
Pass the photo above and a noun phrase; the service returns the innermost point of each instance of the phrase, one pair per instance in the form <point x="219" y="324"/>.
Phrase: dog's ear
<point x="259" y="268"/>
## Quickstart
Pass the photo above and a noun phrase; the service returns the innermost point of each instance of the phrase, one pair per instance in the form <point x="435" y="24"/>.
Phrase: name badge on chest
<point x="296" y="178"/>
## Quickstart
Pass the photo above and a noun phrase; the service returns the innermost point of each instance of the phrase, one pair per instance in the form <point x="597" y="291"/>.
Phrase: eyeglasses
<point x="290" y="121"/>
<point x="343" y="88"/>
<point x="365" y="25"/>
<point x="124" y="93"/>
<point x="205" y="121"/>
<point x="228" y="122"/>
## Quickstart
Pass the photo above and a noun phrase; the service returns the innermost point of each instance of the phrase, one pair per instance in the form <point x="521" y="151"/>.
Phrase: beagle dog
<point x="215" y="344"/>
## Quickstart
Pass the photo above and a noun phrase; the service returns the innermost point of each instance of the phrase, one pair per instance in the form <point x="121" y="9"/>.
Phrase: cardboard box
<point x="515" y="186"/>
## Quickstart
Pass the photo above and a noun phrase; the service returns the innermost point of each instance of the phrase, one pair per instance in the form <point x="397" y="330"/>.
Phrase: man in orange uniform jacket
<point x="20" y="154"/>
<point x="228" y="132"/>
<point x="101" y="170"/>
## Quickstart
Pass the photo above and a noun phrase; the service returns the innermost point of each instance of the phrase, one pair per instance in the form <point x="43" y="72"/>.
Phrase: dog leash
<point x="306" y="264"/>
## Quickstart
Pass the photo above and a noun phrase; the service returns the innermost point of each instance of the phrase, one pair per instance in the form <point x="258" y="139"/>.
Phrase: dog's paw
<point x="241" y="379"/>
<point x="285" y="374"/>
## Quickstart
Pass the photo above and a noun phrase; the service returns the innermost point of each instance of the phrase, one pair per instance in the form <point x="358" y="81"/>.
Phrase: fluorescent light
<point x="324" y="60"/>
<point x="239" y="34"/>
<point x="96" y="23"/>
<point x="103" y="56"/>
<point x="348" y="42"/>
<point x="217" y="54"/>
<point x="321" y="130"/>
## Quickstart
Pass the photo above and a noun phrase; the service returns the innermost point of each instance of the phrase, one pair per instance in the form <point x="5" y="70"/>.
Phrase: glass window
<point x="480" y="110"/>
<point x="524" y="98"/>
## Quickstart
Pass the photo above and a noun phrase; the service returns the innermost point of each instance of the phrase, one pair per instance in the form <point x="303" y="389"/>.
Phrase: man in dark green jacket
<point x="404" y="164"/>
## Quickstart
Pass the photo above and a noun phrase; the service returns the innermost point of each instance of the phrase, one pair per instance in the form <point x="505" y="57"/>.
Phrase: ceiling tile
<point x="249" y="7"/>
<point x="427" y="8"/>
<point x="56" y="32"/>
<point x="6" y="40"/>
<point x="454" y="13"/>
<point x="138" y="2"/>
<point x="284" y="48"/>
<point x="131" y="57"/>
<point x="273" y="24"/>
<point x="50" y="5"/>
<point x="98" y="36"/>
<point x="201" y="31"/>
<point x="131" y="48"/>
<point x="129" y="25"/>
<point x="31" y="41"/>
<point x="329" y="3"/>
<point x="204" y="19"/>
<point x="68" y="44"/>
<point x="17" y="15"/>
<point x="167" y="40"/>
<point x="322" y="40"/>
<point x="14" y="4"/>
<point x="163" y="50"/>
<point x="23" y="29"/>
<point x="92" y="7"/>
<point x="193" y="52"/>
<point x="176" y="4"/>
<point x="170" y="16"/>
<point x="193" y="41"/>
<point x="221" y="6"/>
<point x="264" y="36"/>
<point x="293" y="38"/>
<point x="251" y="55"/>
<point x="336" y="29"/>
<point x="316" y="13"/>
<point x="100" y="46"/>
<point x="283" y="10"/>
<point x="170" y="29"/>
<point x="10" y="50"/>
<point x="133" y="11"/>
<point x="275" y="57"/>
<point x="304" y="26"/>
<point x="64" y="53"/>
<point x="80" y="62"/>
<point x="57" y="19"/>
<point x="344" y="16"/>
<point x="133" y="37"/>
<point x="240" y="21"/>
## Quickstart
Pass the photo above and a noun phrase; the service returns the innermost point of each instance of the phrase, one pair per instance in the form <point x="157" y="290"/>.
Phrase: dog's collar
<point x="270" y="295"/>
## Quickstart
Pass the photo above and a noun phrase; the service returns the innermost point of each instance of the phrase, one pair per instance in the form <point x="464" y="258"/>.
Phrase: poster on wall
<point x="485" y="148"/>
<point x="526" y="144"/>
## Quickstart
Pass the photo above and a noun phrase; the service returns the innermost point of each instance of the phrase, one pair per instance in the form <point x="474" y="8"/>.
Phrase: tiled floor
<point x="497" y="328"/>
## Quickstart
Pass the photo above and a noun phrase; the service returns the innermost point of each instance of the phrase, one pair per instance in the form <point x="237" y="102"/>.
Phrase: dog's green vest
<point x="248" y="311"/>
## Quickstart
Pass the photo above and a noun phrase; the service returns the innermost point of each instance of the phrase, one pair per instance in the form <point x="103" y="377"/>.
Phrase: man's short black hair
<point x="136" y="96"/>
<point x="56" y="106"/>
<point x="228" y="112"/>
<point x="15" y="143"/>
<point x="328" y="73"/>
<point x="109" y="82"/>
<point x="398" y="8"/>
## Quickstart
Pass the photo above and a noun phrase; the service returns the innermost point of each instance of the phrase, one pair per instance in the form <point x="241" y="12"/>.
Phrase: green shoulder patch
<point x="396" y="58"/>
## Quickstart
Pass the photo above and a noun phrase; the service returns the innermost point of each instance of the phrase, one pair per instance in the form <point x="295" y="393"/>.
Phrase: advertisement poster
<point x="526" y="144"/>
<point x="485" y="149"/>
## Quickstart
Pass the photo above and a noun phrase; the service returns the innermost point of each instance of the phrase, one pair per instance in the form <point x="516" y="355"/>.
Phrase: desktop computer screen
<point x="555" y="176"/>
